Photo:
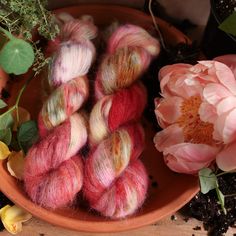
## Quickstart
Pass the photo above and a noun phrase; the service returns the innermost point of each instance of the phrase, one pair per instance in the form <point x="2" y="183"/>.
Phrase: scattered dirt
<point x="225" y="7"/>
<point x="205" y="207"/>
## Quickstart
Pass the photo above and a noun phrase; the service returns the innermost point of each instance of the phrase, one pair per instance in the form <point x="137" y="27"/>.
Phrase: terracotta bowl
<point x="172" y="191"/>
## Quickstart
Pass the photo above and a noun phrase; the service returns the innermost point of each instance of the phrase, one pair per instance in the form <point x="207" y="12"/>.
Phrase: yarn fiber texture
<point x="53" y="172"/>
<point x="116" y="182"/>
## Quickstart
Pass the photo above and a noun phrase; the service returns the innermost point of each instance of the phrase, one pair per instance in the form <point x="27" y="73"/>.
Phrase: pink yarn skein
<point x="53" y="172"/>
<point x="116" y="181"/>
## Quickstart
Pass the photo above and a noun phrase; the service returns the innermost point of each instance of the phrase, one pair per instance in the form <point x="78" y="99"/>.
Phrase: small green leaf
<point x="2" y="103"/>
<point x="221" y="199"/>
<point x="6" y="136"/>
<point x="208" y="180"/>
<point x="229" y="24"/>
<point x="6" y="121"/>
<point x="27" y="134"/>
<point x="16" y="56"/>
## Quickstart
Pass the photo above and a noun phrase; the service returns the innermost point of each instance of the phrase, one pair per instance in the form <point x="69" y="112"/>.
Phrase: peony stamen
<point x="195" y="130"/>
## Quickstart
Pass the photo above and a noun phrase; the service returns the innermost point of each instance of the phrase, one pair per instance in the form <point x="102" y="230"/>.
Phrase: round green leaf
<point x="208" y="180"/>
<point x="27" y="134"/>
<point x="6" y="136"/>
<point x="6" y="121"/>
<point x="16" y="56"/>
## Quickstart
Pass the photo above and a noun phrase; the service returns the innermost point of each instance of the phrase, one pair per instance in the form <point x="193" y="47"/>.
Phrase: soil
<point x="205" y="207"/>
<point x="224" y="8"/>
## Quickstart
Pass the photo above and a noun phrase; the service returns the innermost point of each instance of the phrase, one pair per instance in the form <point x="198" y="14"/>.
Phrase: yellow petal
<point x="15" y="164"/>
<point x="24" y="116"/>
<point x="12" y="218"/>
<point x="4" y="151"/>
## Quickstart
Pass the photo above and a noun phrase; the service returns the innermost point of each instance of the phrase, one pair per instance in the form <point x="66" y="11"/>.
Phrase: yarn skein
<point x="53" y="171"/>
<point x="116" y="181"/>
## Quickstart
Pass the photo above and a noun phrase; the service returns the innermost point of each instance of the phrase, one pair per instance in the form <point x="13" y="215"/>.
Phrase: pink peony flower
<point x="197" y="112"/>
<point x="226" y="159"/>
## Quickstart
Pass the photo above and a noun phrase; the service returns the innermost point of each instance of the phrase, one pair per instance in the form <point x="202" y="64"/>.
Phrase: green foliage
<point x="208" y="180"/>
<point x="6" y="136"/>
<point x="17" y="56"/>
<point x="221" y="199"/>
<point x="229" y="24"/>
<point x="27" y="135"/>
<point x="21" y="17"/>
<point x="6" y="121"/>
<point x="2" y="103"/>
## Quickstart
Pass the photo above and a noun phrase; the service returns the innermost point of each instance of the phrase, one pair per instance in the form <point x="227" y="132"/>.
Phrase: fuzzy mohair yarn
<point x="53" y="171"/>
<point x="129" y="53"/>
<point x="115" y="180"/>
<point x="73" y="55"/>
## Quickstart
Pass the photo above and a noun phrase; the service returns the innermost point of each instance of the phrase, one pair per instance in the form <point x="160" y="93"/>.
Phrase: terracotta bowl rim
<point x="17" y="195"/>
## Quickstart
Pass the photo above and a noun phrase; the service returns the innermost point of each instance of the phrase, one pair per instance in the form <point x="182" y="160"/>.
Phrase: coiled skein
<point x="53" y="172"/>
<point x="116" y="182"/>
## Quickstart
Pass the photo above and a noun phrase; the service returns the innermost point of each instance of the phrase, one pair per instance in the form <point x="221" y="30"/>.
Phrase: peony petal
<point x="192" y="152"/>
<point x="178" y="67"/>
<point x="4" y="151"/>
<point x="12" y="218"/>
<point x="168" y="109"/>
<point x="170" y="136"/>
<point x="226" y="76"/>
<point x="185" y="167"/>
<point x="225" y="125"/>
<point x="229" y="60"/>
<point x="214" y="93"/>
<point x="226" y="159"/>
<point x="207" y="112"/>
<point x="186" y="86"/>
<point x="182" y="85"/>
<point x="15" y="164"/>
<point x="226" y="105"/>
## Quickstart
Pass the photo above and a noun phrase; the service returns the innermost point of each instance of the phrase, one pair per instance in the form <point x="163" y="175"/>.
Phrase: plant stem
<point x="156" y="25"/>
<point x="8" y="34"/>
<point x="225" y="172"/>
<point x="230" y="195"/>
<point x="8" y="111"/>
<point x="19" y="96"/>
<point x="42" y="10"/>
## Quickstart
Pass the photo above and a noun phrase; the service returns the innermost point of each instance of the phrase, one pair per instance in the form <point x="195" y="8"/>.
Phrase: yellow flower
<point x="4" y="151"/>
<point x="12" y="218"/>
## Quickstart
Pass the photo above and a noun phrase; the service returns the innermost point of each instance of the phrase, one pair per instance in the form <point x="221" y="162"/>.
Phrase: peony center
<point x="195" y="130"/>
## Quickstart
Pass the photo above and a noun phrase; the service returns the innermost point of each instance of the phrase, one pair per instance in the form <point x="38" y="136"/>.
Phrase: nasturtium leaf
<point x="4" y="151"/>
<point x="6" y="121"/>
<point x="27" y="134"/>
<point x="6" y="136"/>
<point x="229" y="24"/>
<point x="221" y="199"/>
<point x="16" y="56"/>
<point x="208" y="180"/>
<point x="2" y="103"/>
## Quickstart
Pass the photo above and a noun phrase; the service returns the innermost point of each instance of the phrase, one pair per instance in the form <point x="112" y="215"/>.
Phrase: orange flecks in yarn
<point x="130" y="69"/>
<point x="195" y="130"/>
<point x="116" y="150"/>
